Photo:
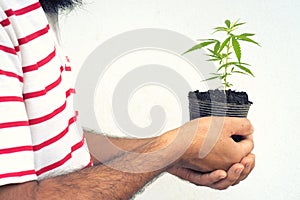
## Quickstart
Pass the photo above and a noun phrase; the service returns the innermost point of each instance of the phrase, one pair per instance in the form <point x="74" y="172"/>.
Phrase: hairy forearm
<point x="105" y="181"/>
<point x="104" y="148"/>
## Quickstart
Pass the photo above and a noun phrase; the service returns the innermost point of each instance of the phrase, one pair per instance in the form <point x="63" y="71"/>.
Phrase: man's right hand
<point x="225" y="151"/>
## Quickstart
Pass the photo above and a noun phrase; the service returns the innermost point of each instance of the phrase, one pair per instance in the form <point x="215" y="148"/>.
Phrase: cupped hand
<point x="217" y="131"/>
<point x="218" y="179"/>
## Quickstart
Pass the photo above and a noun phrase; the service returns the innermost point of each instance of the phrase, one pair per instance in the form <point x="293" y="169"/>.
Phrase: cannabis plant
<point x="221" y="52"/>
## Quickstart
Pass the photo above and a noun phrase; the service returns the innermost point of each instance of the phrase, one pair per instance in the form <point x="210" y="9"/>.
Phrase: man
<point x="44" y="155"/>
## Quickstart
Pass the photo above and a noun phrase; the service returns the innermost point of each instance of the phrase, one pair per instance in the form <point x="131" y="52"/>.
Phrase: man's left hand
<point x="218" y="179"/>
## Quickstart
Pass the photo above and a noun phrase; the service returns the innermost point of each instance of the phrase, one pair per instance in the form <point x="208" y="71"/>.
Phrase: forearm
<point x="104" y="148"/>
<point x="101" y="181"/>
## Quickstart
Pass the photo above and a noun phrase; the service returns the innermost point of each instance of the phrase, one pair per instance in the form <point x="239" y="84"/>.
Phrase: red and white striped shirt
<point x="39" y="136"/>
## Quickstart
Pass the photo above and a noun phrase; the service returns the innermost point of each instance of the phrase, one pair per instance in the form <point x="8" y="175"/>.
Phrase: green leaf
<point x="220" y="28"/>
<point x="224" y="43"/>
<point x="231" y="63"/>
<point x="211" y="78"/>
<point x="235" y="24"/>
<point x="214" y="59"/>
<point x="239" y="72"/>
<point x="227" y="22"/>
<point x="227" y="64"/>
<point x="217" y="47"/>
<point x="239" y="24"/>
<point x="244" y="38"/>
<point x="246" y="34"/>
<point x="224" y="76"/>
<point x="199" y="46"/>
<point x="217" y="29"/>
<point x="214" y="54"/>
<point x="228" y="85"/>
<point x="236" y="48"/>
<point x="245" y="69"/>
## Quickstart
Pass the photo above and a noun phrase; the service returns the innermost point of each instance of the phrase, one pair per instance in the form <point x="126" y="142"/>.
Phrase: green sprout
<point x="222" y="50"/>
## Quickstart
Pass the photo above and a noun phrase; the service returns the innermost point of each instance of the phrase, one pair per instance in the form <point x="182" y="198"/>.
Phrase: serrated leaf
<point x="245" y="69"/>
<point x="220" y="28"/>
<point x="244" y="38"/>
<point x="199" y="46"/>
<point x="226" y="64"/>
<point x="227" y="22"/>
<point x="224" y="43"/>
<point x="246" y="34"/>
<point x="214" y="54"/>
<point x="239" y="24"/>
<point x="217" y="29"/>
<point x="213" y="59"/>
<point x="217" y="47"/>
<point x="237" y="48"/>
<point x="211" y="78"/>
<point x="239" y="72"/>
<point x="231" y="63"/>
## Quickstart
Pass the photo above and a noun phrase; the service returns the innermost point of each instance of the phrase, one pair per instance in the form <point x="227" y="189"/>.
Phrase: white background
<point x="274" y="90"/>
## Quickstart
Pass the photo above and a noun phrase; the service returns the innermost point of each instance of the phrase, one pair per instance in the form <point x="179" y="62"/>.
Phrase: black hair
<point x="55" y="6"/>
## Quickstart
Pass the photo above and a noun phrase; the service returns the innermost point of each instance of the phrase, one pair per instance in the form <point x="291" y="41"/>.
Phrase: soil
<point x="239" y="105"/>
<point x="232" y="97"/>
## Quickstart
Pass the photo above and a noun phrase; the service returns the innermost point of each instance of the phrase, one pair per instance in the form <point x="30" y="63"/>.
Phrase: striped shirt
<point x="39" y="136"/>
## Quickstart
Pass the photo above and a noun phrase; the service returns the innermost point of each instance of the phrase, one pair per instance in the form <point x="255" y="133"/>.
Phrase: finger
<point x="249" y="163"/>
<point x="245" y="146"/>
<point x="199" y="178"/>
<point x="233" y="175"/>
<point x="207" y="179"/>
<point x="239" y="126"/>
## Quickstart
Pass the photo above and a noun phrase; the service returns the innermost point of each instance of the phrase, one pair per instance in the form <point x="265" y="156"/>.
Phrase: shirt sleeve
<point x="16" y="152"/>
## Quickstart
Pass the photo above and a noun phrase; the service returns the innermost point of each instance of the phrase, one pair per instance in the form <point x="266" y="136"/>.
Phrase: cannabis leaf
<point x="236" y="48"/>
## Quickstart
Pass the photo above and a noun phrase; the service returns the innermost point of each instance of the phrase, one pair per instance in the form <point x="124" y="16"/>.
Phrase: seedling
<point x="222" y="51"/>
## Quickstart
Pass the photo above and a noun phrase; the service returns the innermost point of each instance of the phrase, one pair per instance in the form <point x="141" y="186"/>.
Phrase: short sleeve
<point x="16" y="152"/>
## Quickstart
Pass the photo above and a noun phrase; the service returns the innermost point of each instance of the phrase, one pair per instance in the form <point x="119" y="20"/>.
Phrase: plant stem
<point x="227" y="58"/>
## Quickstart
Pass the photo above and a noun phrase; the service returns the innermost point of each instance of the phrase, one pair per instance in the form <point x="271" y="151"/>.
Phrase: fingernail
<point x="238" y="171"/>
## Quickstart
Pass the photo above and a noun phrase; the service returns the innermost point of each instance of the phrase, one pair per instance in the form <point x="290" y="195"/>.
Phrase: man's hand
<point x="218" y="179"/>
<point x="225" y="151"/>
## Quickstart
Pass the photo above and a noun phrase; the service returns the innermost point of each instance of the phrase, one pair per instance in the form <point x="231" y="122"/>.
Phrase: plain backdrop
<point x="275" y="89"/>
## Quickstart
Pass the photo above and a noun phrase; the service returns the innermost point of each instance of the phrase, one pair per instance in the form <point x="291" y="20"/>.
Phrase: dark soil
<point x="229" y="103"/>
<point x="237" y="138"/>
<point x="233" y="97"/>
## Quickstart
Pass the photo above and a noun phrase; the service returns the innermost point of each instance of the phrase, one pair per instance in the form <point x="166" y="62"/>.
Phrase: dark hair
<point x="55" y="6"/>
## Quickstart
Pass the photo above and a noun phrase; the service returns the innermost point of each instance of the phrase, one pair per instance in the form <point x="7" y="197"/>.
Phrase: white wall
<point x="275" y="90"/>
